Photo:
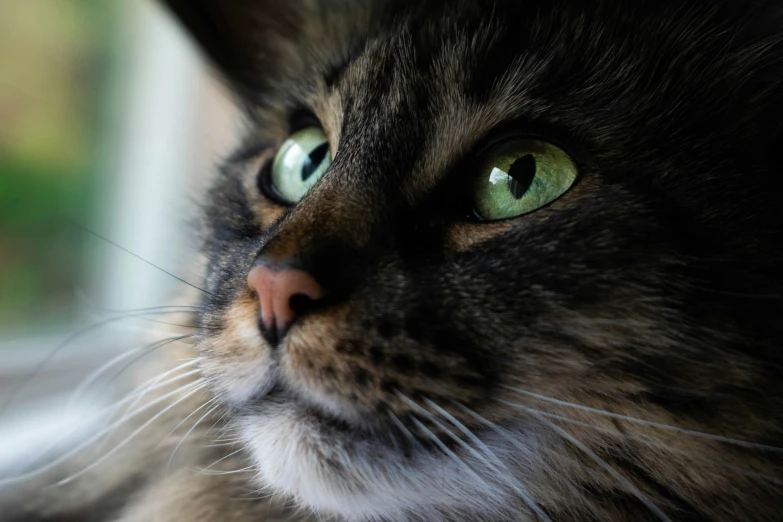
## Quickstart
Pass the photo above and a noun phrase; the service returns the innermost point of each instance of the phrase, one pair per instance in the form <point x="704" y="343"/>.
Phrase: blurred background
<point x="109" y="129"/>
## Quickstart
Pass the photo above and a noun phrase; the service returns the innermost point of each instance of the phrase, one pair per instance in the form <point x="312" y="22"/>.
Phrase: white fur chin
<point x="295" y="457"/>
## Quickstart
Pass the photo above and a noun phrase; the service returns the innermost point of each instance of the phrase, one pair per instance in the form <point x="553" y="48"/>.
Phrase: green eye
<point x="520" y="176"/>
<point x="300" y="163"/>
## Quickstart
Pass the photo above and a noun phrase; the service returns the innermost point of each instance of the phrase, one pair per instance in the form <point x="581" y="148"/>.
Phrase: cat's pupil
<point x="314" y="160"/>
<point x="521" y="175"/>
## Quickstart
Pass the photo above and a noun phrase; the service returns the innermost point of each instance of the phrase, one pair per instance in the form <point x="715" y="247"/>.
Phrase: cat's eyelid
<point x="301" y="119"/>
<point x="496" y="140"/>
<point x="518" y="129"/>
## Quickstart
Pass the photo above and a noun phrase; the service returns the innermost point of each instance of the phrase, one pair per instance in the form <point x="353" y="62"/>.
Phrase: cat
<point x="477" y="260"/>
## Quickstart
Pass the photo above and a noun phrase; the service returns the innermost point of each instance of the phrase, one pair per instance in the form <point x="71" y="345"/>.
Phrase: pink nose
<point x="275" y="288"/>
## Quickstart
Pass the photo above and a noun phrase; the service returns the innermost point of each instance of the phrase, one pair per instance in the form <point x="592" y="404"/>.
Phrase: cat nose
<point x="276" y="287"/>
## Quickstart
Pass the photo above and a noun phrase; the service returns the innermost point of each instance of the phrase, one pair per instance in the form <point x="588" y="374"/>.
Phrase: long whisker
<point x="437" y="441"/>
<point x="653" y="424"/>
<point x="150" y="385"/>
<point x="129" y="411"/>
<point x="223" y="444"/>
<point x="92" y="377"/>
<point x="218" y="421"/>
<point x="413" y="440"/>
<point x="150" y="310"/>
<point x="142" y="313"/>
<point x="109" y="241"/>
<point x="43" y="362"/>
<point x="521" y="447"/>
<point x="201" y="385"/>
<point x="445" y="449"/>
<point x="114" y="408"/>
<point x="220" y="460"/>
<point x="656" y="444"/>
<point x="178" y="308"/>
<point x="252" y="494"/>
<point x="85" y="444"/>
<point x="181" y="308"/>
<point x="145" y="316"/>
<point x="175" y="428"/>
<point x="204" y="472"/>
<point x="156" y="380"/>
<point x="19" y="385"/>
<point x="156" y="321"/>
<point x="149" y="350"/>
<point x="598" y="460"/>
<point x="488" y="452"/>
<point x="208" y="412"/>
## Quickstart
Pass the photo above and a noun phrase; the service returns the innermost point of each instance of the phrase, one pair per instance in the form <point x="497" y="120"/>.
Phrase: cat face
<point x="400" y="334"/>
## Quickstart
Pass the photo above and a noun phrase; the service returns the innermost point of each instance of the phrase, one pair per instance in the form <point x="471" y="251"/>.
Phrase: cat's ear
<point x="245" y="39"/>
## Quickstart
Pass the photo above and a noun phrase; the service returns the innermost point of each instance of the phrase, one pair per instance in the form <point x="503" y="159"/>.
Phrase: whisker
<point x="85" y="444"/>
<point x="155" y="386"/>
<point x="155" y="346"/>
<point x="653" y="424"/>
<point x="43" y="362"/>
<point x="92" y="377"/>
<point x="221" y="436"/>
<point x="144" y="316"/>
<point x="174" y="308"/>
<point x="413" y="440"/>
<point x="201" y="385"/>
<point x="660" y="445"/>
<point x="220" y="419"/>
<point x="85" y="229"/>
<point x="598" y="460"/>
<point x="23" y="380"/>
<point x="207" y="403"/>
<point x="141" y="316"/>
<point x="114" y="408"/>
<point x="445" y="449"/>
<point x="518" y="489"/>
<point x="209" y="411"/>
<point x="178" y="308"/>
<point x="521" y="447"/>
<point x="224" y="444"/>
<point x="158" y="378"/>
<point x="253" y="496"/>
<point x="204" y="472"/>
<point x="220" y="460"/>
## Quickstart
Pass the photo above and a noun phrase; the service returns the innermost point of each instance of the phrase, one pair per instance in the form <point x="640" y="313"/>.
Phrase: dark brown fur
<point x="651" y="290"/>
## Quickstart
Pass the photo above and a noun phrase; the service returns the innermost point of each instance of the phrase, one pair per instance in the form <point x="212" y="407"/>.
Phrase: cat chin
<point x="336" y="472"/>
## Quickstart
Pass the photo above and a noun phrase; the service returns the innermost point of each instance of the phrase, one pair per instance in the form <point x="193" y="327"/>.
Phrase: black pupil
<point x="314" y="160"/>
<point x="521" y="175"/>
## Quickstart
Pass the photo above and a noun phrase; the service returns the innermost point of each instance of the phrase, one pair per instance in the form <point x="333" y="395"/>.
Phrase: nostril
<point x="268" y="332"/>
<point x="301" y="304"/>
<point x="283" y="293"/>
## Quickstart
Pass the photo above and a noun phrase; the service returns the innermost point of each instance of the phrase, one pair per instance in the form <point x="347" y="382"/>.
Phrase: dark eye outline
<point x="498" y="139"/>
<point x="265" y="185"/>
<point x="299" y="120"/>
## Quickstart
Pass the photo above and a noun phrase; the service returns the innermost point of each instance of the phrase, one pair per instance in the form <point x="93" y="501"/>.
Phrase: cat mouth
<point x="282" y="396"/>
